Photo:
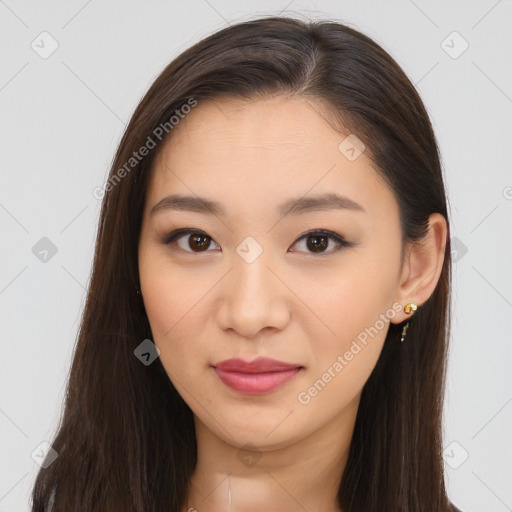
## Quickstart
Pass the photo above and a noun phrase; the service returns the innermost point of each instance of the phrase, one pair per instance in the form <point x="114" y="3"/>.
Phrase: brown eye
<point x="189" y="240"/>
<point x="316" y="242"/>
<point x="199" y="242"/>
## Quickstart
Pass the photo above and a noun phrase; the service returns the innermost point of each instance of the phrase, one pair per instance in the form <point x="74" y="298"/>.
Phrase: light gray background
<point x="62" y="117"/>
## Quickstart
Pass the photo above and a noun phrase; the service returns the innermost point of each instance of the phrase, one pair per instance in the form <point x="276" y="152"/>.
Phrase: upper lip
<point x="259" y="365"/>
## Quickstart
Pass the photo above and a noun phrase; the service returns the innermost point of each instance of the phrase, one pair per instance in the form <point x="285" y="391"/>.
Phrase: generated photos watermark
<point x="304" y="397"/>
<point x="158" y="133"/>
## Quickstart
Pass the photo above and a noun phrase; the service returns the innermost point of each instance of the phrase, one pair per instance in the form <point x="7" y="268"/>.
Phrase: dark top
<point x="455" y="509"/>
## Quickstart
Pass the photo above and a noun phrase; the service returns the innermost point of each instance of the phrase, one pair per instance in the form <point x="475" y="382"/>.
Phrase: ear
<point x="423" y="263"/>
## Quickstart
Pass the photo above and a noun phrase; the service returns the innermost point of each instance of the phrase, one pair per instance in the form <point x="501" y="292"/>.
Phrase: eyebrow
<point x="327" y="201"/>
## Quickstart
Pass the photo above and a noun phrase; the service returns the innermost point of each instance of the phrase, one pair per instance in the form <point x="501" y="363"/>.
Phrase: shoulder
<point x="453" y="508"/>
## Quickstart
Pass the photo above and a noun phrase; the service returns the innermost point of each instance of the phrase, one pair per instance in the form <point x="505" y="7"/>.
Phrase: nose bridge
<point x="253" y="297"/>
<point x="252" y="277"/>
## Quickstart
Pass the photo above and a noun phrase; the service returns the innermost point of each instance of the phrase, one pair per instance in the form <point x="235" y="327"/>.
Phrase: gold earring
<point x="410" y="307"/>
<point x="407" y="309"/>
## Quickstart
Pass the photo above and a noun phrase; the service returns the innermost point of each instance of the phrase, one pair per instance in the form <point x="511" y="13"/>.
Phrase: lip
<point x="256" y="377"/>
<point x="259" y="365"/>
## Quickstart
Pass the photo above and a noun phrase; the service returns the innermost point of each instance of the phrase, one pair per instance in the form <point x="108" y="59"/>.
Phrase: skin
<point x="290" y="303"/>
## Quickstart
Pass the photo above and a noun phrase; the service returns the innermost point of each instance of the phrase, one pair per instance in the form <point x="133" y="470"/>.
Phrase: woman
<point x="268" y="315"/>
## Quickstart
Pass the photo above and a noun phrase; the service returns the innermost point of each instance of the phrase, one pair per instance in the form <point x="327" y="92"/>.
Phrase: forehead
<point x="265" y="150"/>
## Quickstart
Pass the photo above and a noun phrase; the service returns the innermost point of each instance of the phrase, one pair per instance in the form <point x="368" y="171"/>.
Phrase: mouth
<point x="257" y="377"/>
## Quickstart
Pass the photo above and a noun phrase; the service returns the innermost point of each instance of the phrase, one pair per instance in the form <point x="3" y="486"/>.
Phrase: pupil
<point x="200" y="241"/>
<point x="317" y="245"/>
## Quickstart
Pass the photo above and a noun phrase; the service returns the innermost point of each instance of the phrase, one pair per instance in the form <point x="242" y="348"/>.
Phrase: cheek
<point x="167" y="293"/>
<point x="348" y="300"/>
<point x="355" y="308"/>
<point x="175" y="300"/>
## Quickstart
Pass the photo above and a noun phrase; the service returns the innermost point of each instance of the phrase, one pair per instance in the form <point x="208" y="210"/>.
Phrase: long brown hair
<point x="126" y="438"/>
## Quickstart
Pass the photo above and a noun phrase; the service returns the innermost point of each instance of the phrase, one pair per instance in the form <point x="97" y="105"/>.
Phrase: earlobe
<point x="422" y="267"/>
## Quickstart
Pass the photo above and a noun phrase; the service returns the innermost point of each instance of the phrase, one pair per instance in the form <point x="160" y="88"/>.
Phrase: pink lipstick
<point x="256" y="377"/>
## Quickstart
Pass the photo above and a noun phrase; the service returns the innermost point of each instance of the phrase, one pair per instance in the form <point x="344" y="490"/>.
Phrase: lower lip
<point x="256" y="383"/>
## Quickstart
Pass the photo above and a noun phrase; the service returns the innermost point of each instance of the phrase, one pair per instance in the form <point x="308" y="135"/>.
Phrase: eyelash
<point x="340" y="241"/>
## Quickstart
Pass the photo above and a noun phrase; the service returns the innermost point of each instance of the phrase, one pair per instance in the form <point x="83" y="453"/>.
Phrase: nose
<point x="253" y="298"/>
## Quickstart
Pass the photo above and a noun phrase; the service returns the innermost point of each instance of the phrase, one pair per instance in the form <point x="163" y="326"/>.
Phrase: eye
<point x="316" y="241"/>
<point x="198" y="241"/>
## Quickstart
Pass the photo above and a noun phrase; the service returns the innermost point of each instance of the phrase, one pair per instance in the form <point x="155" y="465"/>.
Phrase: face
<point x="313" y="286"/>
